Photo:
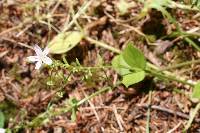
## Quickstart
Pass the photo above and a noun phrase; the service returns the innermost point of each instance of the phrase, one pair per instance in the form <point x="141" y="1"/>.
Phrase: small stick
<point x="77" y="15"/>
<point x="118" y="119"/>
<point x="180" y="114"/>
<point x="94" y="110"/>
<point x="174" y="129"/>
<point x="149" y="112"/>
<point x="15" y="42"/>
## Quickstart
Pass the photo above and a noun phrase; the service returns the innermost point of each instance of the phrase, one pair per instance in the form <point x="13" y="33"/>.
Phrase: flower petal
<point x="47" y="60"/>
<point x="46" y="51"/>
<point x="2" y="130"/>
<point x="32" y="58"/>
<point x="38" y="50"/>
<point x="38" y="65"/>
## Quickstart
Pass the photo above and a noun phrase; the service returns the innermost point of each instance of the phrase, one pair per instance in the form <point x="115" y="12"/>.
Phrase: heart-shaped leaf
<point x="134" y="57"/>
<point x="133" y="78"/>
<point x="120" y="65"/>
<point x="64" y="42"/>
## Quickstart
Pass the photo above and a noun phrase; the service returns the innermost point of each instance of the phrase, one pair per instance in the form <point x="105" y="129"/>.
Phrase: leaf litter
<point x="24" y="93"/>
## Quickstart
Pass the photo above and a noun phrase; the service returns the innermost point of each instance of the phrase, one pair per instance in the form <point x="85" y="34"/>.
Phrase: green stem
<point x="46" y="116"/>
<point x="182" y="6"/>
<point x="101" y="44"/>
<point x="77" y="15"/>
<point x="168" y="77"/>
<point x="187" y="34"/>
<point x="192" y="43"/>
<point x="181" y="65"/>
<point x="93" y="95"/>
<point x="193" y="114"/>
<point x="168" y="74"/>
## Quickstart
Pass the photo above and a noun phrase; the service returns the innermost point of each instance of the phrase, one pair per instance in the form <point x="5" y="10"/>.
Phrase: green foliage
<point x="196" y="91"/>
<point x="2" y="119"/>
<point x="133" y="78"/>
<point x="130" y="64"/>
<point x="134" y="57"/>
<point x="158" y="5"/>
<point x="73" y="102"/>
<point x="193" y="113"/>
<point x="7" y="110"/>
<point x="196" y="3"/>
<point x="64" y="42"/>
<point x="120" y="65"/>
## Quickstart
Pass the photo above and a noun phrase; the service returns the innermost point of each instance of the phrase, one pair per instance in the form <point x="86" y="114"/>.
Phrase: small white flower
<point x="2" y="130"/>
<point x="41" y="57"/>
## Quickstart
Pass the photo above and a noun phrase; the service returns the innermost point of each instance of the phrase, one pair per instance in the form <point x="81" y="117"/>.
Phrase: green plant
<point x="131" y="65"/>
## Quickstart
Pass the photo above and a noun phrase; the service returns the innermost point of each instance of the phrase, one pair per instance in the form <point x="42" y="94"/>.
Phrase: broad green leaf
<point x="196" y="91"/>
<point x="2" y="119"/>
<point x="64" y="42"/>
<point x="120" y="65"/>
<point x="133" y="78"/>
<point x="134" y="57"/>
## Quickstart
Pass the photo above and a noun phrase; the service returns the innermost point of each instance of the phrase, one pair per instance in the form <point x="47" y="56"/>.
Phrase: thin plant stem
<point x="192" y="43"/>
<point x="45" y="117"/>
<point x="93" y="95"/>
<point x="77" y="15"/>
<point x="182" y="6"/>
<point x="166" y="74"/>
<point x="192" y="116"/>
<point x="101" y="44"/>
<point x="73" y="14"/>
<point x="168" y="77"/>
<point x="180" y="65"/>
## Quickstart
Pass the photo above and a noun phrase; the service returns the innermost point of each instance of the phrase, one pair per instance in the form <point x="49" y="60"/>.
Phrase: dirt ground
<point x="25" y="93"/>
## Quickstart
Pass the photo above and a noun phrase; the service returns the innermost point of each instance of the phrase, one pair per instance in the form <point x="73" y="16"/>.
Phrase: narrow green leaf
<point x="120" y="65"/>
<point x="73" y="102"/>
<point x="64" y="42"/>
<point x="2" y="119"/>
<point x="134" y="57"/>
<point x="73" y="115"/>
<point x="158" y="3"/>
<point x="133" y="78"/>
<point x="196" y="91"/>
<point x="193" y="113"/>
